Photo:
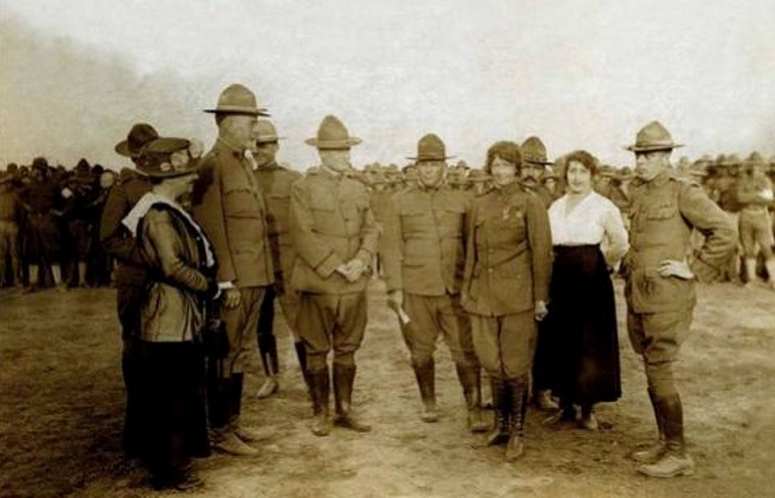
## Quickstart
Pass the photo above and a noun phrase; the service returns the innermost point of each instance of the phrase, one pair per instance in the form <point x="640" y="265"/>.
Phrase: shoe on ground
<point x="268" y="388"/>
<point x="669" y="466"/>
<point x="588" y="422"/>
<point x="248" y="434"/>
<point x="228" y="442"/>
<point x="429" y="414"/>
<point x="349" y="420"/>
<point x="543" y="400"/>
<point x="650" y="455"/>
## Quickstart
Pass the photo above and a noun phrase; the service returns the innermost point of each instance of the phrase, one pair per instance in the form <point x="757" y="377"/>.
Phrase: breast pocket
<point x="452" y="221"/>
<point x="413" y="223"/>
<point x="661" y="212"/>
<point x="241" y="202"/>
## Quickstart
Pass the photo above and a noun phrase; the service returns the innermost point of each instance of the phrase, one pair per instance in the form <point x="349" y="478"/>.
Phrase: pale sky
<point x="75" y="75"/>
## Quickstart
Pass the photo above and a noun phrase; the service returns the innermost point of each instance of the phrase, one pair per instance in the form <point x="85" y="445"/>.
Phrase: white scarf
<point x="132" y="220"/>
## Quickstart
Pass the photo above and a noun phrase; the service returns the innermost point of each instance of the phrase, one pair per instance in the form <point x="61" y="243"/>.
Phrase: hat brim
<point x="333" y="144"/>
<point x="269" y="140"/>
<point x="230" y="109"/>
<point x="420" y="159"/>
<point x="652" y="148"/>
<point x="122" y="149"/>
<point x="536" y="162"/>
<point x="166" y="145"/>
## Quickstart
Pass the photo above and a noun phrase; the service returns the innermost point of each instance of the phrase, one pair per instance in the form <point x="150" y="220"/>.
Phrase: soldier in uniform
<point x="505" y="288"/>
<point x="424" y="254"/>
<point x="534" y="163"/>
<point x="754" y="193"/>
<point x="43" y="202"/>
<point x="131" y="276"/>
<point x="228" y="205"/>
<point x="10" y="214"/>
<point x="275" y="181"/>
<point x="335" y="237"/>
<point x="660" y="284"/>
<point x="480" y="181"/>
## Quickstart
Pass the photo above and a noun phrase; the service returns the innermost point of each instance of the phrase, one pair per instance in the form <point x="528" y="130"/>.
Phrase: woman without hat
<point x="505" y="288"/>
<point x="582" y="317"/>
<point x="180" y="266"/>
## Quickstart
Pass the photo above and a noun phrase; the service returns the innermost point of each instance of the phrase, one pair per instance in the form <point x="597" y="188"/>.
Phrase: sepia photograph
<point x="441" y="248"/>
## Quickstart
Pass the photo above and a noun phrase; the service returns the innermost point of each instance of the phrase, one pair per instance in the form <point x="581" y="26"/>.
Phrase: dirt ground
<point x="61" y="410"/>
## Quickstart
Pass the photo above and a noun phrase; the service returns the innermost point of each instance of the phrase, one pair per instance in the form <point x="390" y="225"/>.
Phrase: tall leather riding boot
<point x="658" y="449"/>
<point x="499" y="432"/>
<point x="321" y="388"/>
<point x="344" y="377"/>
<point x="223" y="412"/>
<point x="241" y="431"/>
<point x="301" y="354"/>
<point x="675" y="461"/>
<point x="770" y="265"/>
<point x="426" y="382"/>
<point x="267" y="347"/>
<point x="470" y="380"/>
<point x="515" y="447"/>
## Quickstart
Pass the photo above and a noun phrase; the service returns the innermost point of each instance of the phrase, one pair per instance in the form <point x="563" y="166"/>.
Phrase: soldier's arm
<point x="719" y="230"/>
<point x="310" y="246"/>
<point x="209" y="213"/>
<point x="468" y="269"/>
<point x="391" y="246"/>
<point x="540" y="238"/>
<point x="115" y="239"/>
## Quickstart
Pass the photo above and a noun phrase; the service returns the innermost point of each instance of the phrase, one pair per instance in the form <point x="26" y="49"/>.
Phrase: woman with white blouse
<point x="582" y="314"/>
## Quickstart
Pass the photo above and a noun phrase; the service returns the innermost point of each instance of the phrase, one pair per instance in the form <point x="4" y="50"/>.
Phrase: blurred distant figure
<point x="755" y="195"/>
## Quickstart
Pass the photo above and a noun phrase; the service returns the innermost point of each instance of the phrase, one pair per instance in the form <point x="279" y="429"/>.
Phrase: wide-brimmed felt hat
<point x="332" y="135"/>
<point x="534" y="151"/>
<point x="430" y="148"/>
<point x="168" y="157"/>
<point x="238" y="99"/>
<point x="140" y="135"/>
<point x="653" y="137"/>
<point x="267" y="133"/>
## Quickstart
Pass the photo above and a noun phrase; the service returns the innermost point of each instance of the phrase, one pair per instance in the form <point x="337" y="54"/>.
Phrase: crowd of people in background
<point x="49" y="215"/>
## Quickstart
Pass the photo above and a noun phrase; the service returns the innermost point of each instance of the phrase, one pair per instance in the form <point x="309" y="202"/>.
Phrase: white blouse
<point x="594" y="220"/>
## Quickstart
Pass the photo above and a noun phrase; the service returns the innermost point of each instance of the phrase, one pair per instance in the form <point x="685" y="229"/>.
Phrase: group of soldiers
<point x="313" y="242"/>
<point x="49" y="220"/>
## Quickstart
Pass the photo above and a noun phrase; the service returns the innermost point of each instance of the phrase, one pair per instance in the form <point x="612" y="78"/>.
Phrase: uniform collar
<point x="512" y="187"/>
<point x="661" y="178"/>
<point x="333" y="174"/>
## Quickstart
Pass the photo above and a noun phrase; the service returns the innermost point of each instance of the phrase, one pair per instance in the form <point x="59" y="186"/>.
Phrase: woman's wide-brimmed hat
<point x="238" y="99"/>
<point x="653" y="137"/>
<point x="168" y="157"/>
<point x="138" y="137"/>
<point x="534" y="151"/>
<point x="332" y="135"/>
<point x="430" y="148"/>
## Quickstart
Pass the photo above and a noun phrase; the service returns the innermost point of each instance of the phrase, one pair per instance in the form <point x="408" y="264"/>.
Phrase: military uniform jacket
<point x="423" y="247"/>
<point x="664" y="211"/>
<point x="542" y="192"/>
<point x="229" y="206"/>
<point x="115" y="238"/>
<point x="509" y="253"/>
<point x="331" y="223"/>
<point x="275" y="182"/>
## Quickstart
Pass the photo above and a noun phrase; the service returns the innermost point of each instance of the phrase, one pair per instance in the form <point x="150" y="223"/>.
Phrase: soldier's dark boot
<point x="515" y="447"/>
<point x="654" y="452"/>
<point x="301" y="354"/>
<point x="344" y="377"/>
<point x="321" y="388"/>
<point x="222" y="409"/>
<point x="499" y="432"/>
<point x="426" y="382"/>
<point x="470" y="380"/>
<point x="241" y="431"/>
<point x="267" y="346"/>
<point x="675" y="461"/>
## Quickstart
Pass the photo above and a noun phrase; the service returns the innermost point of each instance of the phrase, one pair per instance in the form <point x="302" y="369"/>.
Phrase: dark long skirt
<point x="581" y="332"/>
<point x="173" y="420"/>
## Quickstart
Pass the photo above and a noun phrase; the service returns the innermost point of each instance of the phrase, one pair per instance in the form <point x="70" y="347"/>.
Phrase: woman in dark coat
<point x="589" y="239"/>
<point x="505" y="286"/>
<point x="180" y="264"/>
